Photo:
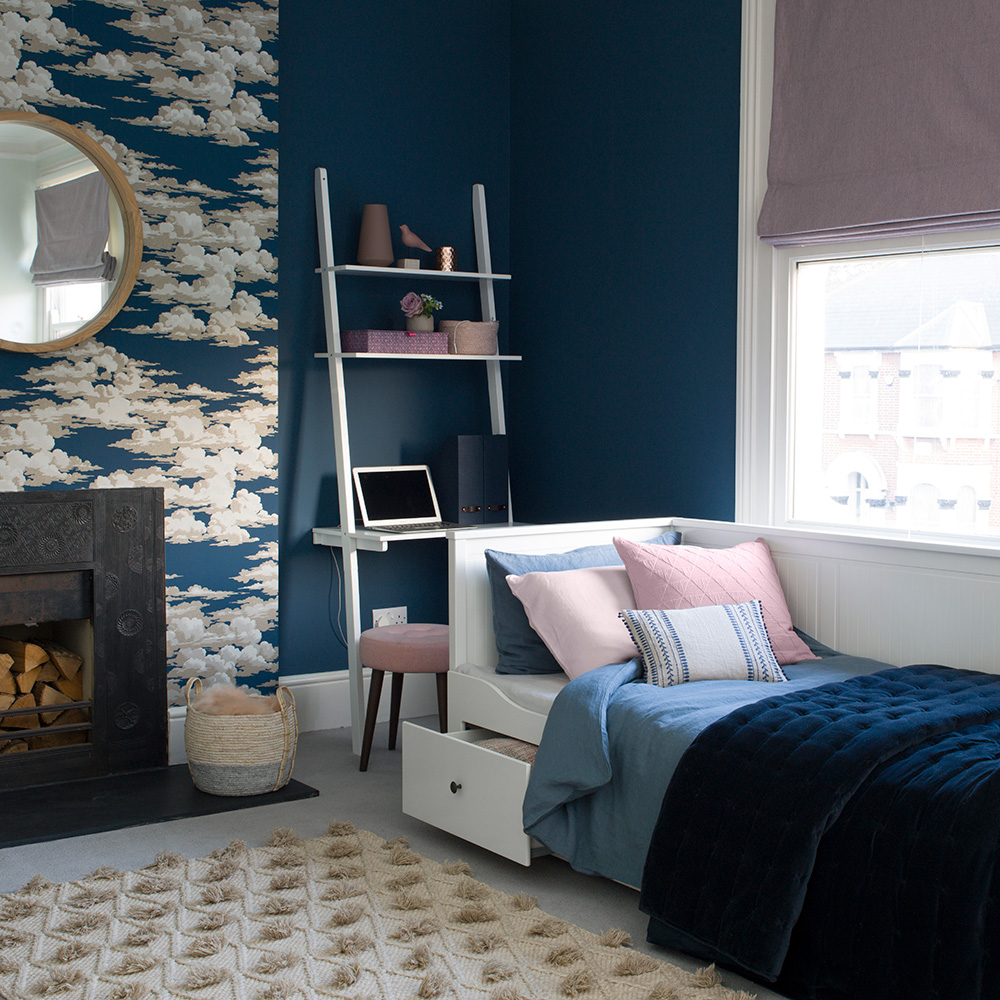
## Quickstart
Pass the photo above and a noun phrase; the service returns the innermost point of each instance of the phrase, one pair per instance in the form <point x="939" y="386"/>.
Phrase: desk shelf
<point x="378" y="541"/>
<point x="369" y="540"/>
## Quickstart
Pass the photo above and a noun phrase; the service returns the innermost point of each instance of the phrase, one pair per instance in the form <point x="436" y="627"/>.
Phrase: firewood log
<point x="22" y="721"/>
<point x="26" y="655"/>
<point x="47" y="740"/>
<point x="7" y="683"/>
<point x="49" y="673"/>
<point x="51" y="696"/>
<point x="44" y="680"/>
<point x="67" y="662"/>
<point x="72" y="687"/>
<point x="71" y="717"/>
<point x="26" y="680"/>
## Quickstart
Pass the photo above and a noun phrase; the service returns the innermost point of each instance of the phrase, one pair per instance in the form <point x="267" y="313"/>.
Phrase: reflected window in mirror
<point x="65" y="308"/>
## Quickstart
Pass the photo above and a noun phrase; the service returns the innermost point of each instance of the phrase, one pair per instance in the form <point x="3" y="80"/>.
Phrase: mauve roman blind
<point x="885" y="119"/>
<point x="73" y="225"/>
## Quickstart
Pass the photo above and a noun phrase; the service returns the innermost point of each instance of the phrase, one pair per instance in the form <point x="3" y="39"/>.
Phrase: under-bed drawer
<point x="465" y="789"/>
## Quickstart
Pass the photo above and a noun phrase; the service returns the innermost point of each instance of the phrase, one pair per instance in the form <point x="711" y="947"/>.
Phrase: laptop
<point x="398" y="498"/>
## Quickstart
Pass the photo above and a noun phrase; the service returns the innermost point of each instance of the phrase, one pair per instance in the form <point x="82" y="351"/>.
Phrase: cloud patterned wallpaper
<point x="180" y="390"/>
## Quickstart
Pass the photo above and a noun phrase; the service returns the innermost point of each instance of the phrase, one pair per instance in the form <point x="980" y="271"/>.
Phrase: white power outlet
<point x="388" y="616"/>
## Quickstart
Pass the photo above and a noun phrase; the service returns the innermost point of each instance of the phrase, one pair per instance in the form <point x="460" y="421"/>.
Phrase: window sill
<point x="926" y="541"/>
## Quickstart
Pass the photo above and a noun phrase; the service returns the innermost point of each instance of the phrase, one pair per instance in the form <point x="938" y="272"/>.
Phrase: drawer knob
<point x="454" y="788"/>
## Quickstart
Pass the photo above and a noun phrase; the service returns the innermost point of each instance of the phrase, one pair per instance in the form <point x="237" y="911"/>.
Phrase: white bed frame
<point x="892" y="600"/>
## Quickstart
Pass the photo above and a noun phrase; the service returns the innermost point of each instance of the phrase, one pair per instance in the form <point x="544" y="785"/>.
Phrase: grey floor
<point x="371" y="801"/>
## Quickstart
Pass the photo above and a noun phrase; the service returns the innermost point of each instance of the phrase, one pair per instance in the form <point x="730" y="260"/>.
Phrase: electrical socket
<point x="388" y="616"/>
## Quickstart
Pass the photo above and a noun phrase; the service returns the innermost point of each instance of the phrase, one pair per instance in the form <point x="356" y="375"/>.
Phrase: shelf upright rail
<point x="488" y="303"/>
<point x="345" y="496"/>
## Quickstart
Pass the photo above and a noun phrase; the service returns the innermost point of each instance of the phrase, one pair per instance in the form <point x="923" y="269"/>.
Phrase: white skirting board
<point x="322" y="701"/>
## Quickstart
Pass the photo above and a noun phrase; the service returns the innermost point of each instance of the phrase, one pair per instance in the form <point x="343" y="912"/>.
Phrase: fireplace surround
<point x="85" y="569"/>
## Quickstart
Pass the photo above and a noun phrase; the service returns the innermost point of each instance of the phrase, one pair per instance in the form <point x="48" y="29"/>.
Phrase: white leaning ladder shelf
<point x="347" y="535"/>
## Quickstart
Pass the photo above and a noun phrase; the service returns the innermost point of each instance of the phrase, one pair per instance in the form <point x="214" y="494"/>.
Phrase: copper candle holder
<point x="444" y="258"/>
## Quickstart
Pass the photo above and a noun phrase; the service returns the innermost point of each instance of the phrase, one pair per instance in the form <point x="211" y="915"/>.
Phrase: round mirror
<point x="70" y="234"/>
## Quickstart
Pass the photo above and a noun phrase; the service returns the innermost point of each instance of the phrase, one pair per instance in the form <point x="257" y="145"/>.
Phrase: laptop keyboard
<point x="431" y="526"/>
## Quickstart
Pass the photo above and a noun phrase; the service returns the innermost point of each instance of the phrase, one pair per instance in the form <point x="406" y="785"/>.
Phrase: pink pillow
<point x="575" y="611"/>
<point x="686" y="576"/>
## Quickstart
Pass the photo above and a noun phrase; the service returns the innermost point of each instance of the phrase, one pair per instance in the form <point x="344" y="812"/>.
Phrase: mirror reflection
<point x="70" y="237"/>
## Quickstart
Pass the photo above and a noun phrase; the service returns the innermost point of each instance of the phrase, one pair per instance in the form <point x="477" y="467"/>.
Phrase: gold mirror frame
<point x="131" y="220"/>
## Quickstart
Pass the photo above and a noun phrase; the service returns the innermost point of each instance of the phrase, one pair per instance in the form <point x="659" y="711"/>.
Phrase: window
<point x="925" y="504"/>
<point x="868" y="395"/>
<point x="928" y="397"/>
<point x="862" y="397"/>
<point x="888" y="355"/>
<point x="858" y="392"/>
<point x="967" y="506"/>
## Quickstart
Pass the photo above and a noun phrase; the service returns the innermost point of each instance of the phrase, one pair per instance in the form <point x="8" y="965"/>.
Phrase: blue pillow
<point x="815" y="646"/>
<point x="520" y="650"/>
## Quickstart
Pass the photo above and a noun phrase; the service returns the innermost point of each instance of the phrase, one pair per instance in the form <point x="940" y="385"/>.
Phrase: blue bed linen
<point x="609" y="749"/>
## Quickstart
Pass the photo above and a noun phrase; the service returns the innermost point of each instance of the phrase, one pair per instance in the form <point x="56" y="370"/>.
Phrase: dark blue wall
<point x="607" y="137"/>
<point x="624" y="174"/>
<point x="408" y="104"/>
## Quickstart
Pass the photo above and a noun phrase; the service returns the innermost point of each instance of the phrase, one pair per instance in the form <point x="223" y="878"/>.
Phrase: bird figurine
<point x="411" y="239"/>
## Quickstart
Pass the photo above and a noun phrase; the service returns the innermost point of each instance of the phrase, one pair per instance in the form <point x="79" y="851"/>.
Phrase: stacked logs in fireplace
<point x="42" y="696"/>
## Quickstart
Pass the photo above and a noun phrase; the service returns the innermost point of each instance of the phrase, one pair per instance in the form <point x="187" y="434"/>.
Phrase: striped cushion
<point x="717" y="642"/>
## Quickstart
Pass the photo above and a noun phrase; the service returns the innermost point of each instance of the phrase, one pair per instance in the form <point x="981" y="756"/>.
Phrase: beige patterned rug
<point x="348" y="915"/>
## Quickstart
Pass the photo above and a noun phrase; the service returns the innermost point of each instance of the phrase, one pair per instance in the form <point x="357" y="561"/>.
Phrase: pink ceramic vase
<point x="375" y="244"/>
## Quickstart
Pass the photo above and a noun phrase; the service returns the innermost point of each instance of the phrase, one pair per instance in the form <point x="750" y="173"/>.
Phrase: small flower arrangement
<point x="413" y="304"/>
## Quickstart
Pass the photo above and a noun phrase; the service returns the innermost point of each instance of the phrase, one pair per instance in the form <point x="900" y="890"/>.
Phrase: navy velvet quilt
<point x="842" y="840"/>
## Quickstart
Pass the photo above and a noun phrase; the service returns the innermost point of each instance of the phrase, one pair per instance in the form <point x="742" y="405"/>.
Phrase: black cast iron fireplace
<point x="83" y="571"/>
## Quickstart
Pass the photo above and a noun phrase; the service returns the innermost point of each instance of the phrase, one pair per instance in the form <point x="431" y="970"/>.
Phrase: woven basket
<point x="240" y="754"/>
<point x="470" y="337"/>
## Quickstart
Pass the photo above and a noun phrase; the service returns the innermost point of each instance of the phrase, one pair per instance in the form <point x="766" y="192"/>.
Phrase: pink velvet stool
<point x="402" y="649"/>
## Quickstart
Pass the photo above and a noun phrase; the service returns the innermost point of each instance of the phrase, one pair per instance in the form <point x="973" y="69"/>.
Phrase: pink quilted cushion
<point x="414" y="648"/>
<point x="575" y="611"/>
<point x="686" y="576"/>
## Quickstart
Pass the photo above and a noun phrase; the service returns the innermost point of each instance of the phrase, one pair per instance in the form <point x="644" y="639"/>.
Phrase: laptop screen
<point x="396" y="495"/>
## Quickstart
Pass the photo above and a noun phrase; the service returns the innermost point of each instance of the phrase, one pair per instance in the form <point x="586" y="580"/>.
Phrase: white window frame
<point x="765" y="305"/>
<point x="754" y="352"/>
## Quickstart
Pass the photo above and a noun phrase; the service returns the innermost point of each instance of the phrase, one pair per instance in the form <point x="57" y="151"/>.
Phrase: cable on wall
<point x="335" y="622"/>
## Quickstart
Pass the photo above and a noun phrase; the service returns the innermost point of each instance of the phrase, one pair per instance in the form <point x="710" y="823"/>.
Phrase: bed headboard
<point x="890" y="599"/>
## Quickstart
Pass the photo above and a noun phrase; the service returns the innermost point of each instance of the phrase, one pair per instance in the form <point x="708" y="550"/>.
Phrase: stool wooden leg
<point x="442" y="686"/>
<point x="397" y="697"/>
<point x="374" y="696"/>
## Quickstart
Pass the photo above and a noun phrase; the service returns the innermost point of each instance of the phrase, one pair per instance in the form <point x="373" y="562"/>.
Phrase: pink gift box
<point x="393" y="342"/>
